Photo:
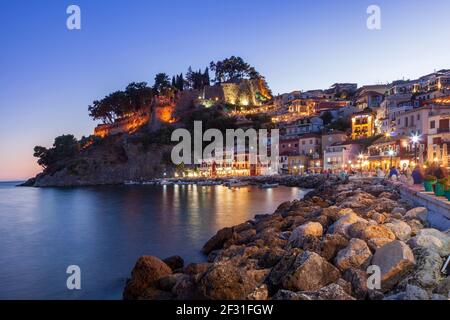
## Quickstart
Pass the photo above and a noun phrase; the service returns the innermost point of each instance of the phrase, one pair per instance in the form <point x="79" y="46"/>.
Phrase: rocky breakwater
<point x="318" y="248"/>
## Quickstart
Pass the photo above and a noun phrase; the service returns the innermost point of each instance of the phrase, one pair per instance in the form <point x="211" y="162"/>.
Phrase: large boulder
<point x="358" y="280"/>
<point x="401" y="229"/>
<point x="146" y="273"/>
<point x="226" y="281"/>
<point x="174" y="262"/>
<point x="428" y="267"/>
<point x="314" y="229"/>
<point x="331" y="245"/>
<point x="377" y="231"/>
<point x="419" y="213"/>
<point x="395" y="260"/>
<point x="309" y="272"/>
<point x="217" y="241"/>
<point x="356" y="255"/>
<point x="432" y="239"/>
<point x="341" y="226"/>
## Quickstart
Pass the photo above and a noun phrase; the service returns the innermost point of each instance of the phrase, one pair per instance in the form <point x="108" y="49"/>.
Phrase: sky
<point x="49" y="74"/>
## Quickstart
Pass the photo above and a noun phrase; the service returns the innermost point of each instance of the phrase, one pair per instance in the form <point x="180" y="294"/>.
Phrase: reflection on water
<point x="105" y="229"/>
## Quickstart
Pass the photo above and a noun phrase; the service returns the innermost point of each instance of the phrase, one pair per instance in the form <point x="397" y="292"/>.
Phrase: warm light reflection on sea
<point x="105" y="229"/>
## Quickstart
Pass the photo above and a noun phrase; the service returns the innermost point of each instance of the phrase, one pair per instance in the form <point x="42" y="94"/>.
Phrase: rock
<point x="217" y="241"/>
<point x="286" y="295"/>
<point x="378" y="217"/>
<point x="431" y="242"/>
<point x="174" y="262"/>
<point x="330" y="292"/>
<point x="376" y="243"/>
<point x="358" y="280"/>
<point x="395" y="260"/>
<point x="260" y="293"/>
<point x="284" y="207"/>
<point x="401" y="229"/>
<point x="331" y="245"/>
<point x="377" y="231"/>
<point x="195" y="268"/>
<point x="356" y="255"/>
<point x="271" y="257"/>
<point x="331" y="212"/>
<point x="419" y="213"/>
<point x="309" y="272"/>
<point x="397" y="296"/>
<point x="314" y="229"/>
<point x="147" y="271"/>
<point x="439" y="297"/>
<point x="375" y="295"/>
<point x="347" y="286"/>
<point x="225" y="281"/>
<point x="415" y="226"/>
<point x="186" y="289"/>
<point x="384" y="205"/>
<point x="399" y="210"/>
<point x="415" y="293"/>
<point x="341" y="226"/>
<point x="428" y="267"/>
<point x="444" y="287"/>
<point x="277" y="273"/>
<point x="167" y="283"/>
<point x="155" y="294"/>
<point x="356" y="230"/>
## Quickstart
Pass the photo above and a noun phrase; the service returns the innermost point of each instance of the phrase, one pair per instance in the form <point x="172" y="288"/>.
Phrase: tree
<point x="64" y="147"/>
<point x="327" y="117"/>
<point x="162" y="82"/>
<point x="233" y="69"/>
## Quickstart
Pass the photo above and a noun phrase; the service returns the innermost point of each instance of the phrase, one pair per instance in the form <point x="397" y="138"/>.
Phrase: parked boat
<point x="234" y="183"/>
<point x="165" y="182"/>
<point x="269" y="185"/>
<point x="209" y="183"/>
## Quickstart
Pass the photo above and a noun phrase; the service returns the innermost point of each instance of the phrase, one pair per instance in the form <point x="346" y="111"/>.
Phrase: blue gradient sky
<point x="49" y="75"/>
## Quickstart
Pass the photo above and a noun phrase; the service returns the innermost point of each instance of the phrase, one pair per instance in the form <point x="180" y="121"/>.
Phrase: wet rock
<point x="147" y="271"/>
<point x="309" y="272"/>
<point x="331" y="245"/>
<point x="395" y="260"/>
<point x="174" y="262"/>
<point x="356" y="255"/>
<point x="217" y="241"/>
<point x="419" y="213"/>
<point x="401" y="229"/>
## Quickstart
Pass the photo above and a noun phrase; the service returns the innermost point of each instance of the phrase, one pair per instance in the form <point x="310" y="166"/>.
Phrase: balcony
<point x="443" y="130"/>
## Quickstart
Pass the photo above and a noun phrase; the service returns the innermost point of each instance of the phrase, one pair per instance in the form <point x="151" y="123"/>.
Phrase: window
<point x="418" y="116"/>
<point x="432" y="124"/>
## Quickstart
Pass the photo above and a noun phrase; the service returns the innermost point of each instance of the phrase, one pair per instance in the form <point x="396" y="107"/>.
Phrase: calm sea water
<point x="104" y="230"/>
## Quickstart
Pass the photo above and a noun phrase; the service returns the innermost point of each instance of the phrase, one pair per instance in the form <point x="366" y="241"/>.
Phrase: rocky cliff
<point x="113" y="160"/>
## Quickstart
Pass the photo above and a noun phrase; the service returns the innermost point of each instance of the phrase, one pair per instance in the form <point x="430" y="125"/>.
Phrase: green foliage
<point x="162" y="83"/>
<point x="197" y="79"/>
<point x="341" y="124"/>
<point x="137" y="96"/>
<point x="64" y="147"/>
<point x="233" y="69"/>
<point x="327" y="117"/>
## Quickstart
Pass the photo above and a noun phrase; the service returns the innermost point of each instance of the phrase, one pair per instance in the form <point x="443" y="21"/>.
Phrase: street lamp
<point x="415" y="139"/>
<point x="391" y="154"/>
